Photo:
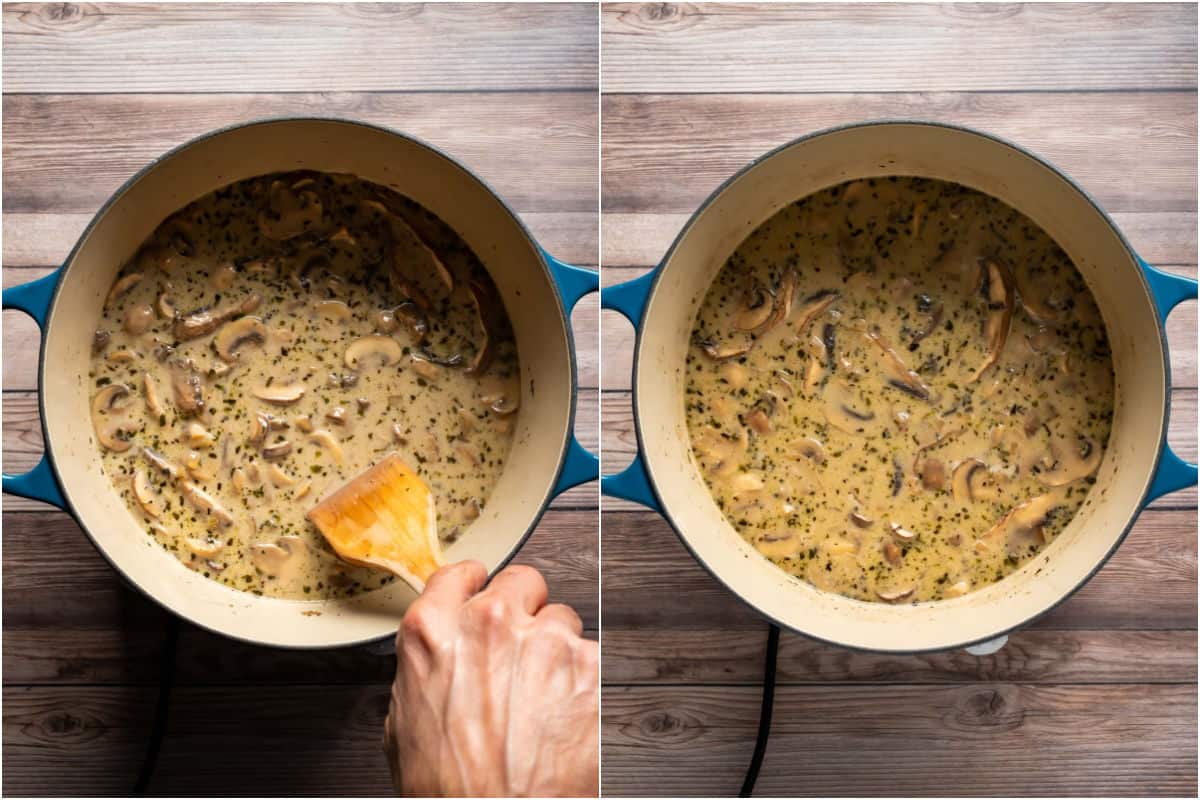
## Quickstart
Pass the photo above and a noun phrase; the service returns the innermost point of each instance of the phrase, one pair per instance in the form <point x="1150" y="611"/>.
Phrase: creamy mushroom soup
<point x="278" y="336"/>
<point x="899" y="389"/>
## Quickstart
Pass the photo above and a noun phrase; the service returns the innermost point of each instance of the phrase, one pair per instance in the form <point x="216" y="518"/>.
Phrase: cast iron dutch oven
<point x="538" y="291"/>
<point x="1134" y="299"/>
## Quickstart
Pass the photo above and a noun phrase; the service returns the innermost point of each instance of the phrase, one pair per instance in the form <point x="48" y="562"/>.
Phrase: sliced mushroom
<point x="895" y="595"/>
<point x="810" y="448"/>
<point x="721" y="452"/>
<point x="384" y="348"/>
<point x="413" y="317"/>
<point x="843" y="412"/>
<point x="892" y="554"/>
<point x="900" y="532"/>
<point x="277" y="450"/>
<point x="153" y="401"/>
<point x="122" y="287"/>
<point x="468" y="453"/>
<point x="138" y="319"/>
<point x="997" y="289"/>
<point x="112" y="427"/>
<point x="860" y="520"/>
<point x="166" y="309"/>
<point x="264" y="423"/>
<point x="933" y="474"/>
<point x="238" y="334"/>
<point x="426" y="369"/>
<point x="206" y="320"/>
<point x="161" y="463"/>
<point x="278" y="476"/>
<point x="759" y="421"/>
<point x="100" y="340"/>
<point x="204" y="502"/>
<point x="1035" y="305"/>
<point x="198" y="436"/>
<point x="302" y="491"/>
<point x="726" y="351"/>
<point x="813" y="306"/>
<point x="332" y="310"/>
<point x="195" y="468"/>
<point x="122" y="356"/>
<point x="290" y="212"/>
<point x="756" y="310"/>
<point x="336" y="415"/>
<point x="778" y="544"/>
<point x="144" y="495"/>
<point x="303" y="423"/>
<point x="280" y="395"/>
<point x="1071" y="461"/>
<point x="1024" y="522"/>
<point x="896" y="372"/>
<point x="485" y="301"/>
<point x="269" y="557"/>
<point x="329" y="442"/>
<point x="966" y="474"/>
<point x="205" y="548"/>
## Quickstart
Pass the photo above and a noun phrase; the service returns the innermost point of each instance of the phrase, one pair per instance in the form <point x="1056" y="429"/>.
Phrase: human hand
<point x="496" y="693"/>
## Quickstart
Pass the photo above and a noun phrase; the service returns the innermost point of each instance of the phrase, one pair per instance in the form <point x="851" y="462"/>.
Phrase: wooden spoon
<point x="384" y="518"/>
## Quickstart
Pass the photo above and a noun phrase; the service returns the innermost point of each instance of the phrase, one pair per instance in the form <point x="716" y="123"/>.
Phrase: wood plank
<point x="22" y="339"/>
<point x="265" y="740"/>
<point x="45" y="239"/>
<point x="23" y="444"/>
<point x="75" y="742"/>
<point x="650" y="582"/>
<point x="713" y="47"/>
<point x="69" y="618"/>
<point x="331" y="46"/>
<point x="868" y="741"/>
<point x="619" y="441"/>
<point x="50" y="141"/>
<point x="720" y="656"/>
<point x="666" y="153"/>
<point x="617" y="354"/>
<point x="642" y="239"/>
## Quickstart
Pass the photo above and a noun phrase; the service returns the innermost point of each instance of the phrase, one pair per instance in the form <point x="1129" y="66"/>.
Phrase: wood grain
<point x="45" y="240"/>
<point x="642" y="239"/>
<point x="907" y="741"/>
<point x="658" y="159"/>
<point x="721" y="656"/>
<point x="22" y="339"/>
<point x="619" y="442"/>
<point x="617" y="353"/>
<point x="338" y="47"/>
<point x="747" y="47"/>
<point x="83" y="741"/>
<point x="650" y="582"/>
<point x="23" y="445"/>
<point x="70" y="619"/>
<point x="68" y="153"/>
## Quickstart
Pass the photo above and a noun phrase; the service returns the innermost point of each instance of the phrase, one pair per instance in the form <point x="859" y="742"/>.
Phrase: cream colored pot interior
<point x="978" y="162"/>
<point x="376" y="155"/>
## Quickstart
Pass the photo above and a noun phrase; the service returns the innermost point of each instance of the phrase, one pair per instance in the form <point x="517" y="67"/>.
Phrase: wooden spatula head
<point x="384" y="518"/>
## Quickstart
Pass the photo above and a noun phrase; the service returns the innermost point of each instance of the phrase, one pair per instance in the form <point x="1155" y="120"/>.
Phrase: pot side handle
<point x="34" y="299"/>
<point x="573" y="283"/>
<point x="1169" y="291"/>
<point x="632" y="483"/>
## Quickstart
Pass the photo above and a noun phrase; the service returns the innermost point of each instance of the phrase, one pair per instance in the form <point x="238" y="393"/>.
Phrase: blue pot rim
<point x="116" y="197"/>
<point x="888" y="122"/>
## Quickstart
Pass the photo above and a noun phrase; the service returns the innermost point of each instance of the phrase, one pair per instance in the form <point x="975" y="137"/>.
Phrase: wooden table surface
<point x="1099" y="697"/>
<point x="92" y="93"/>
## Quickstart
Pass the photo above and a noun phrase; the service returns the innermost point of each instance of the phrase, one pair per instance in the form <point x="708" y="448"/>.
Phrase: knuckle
<point x="417" y="622"/>
<point x="490" y="609"/>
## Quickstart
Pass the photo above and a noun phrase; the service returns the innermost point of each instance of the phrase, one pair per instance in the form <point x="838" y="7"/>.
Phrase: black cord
<point x="764" y="714"/>
<point x="159" y="728"/>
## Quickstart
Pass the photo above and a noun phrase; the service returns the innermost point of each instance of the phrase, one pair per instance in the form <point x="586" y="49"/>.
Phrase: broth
<point x="278" y="336"/>
<point x="899" y="389"/>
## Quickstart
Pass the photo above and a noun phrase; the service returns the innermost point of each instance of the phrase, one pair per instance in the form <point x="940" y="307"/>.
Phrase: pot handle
<point x="579" y="466"/>
<point x="34" y="299"/>
<point x="632" y="483"/>
<point x="1169" y="291"/>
